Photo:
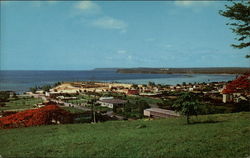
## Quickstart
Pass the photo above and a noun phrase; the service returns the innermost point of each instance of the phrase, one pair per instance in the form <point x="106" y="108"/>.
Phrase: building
<point x="104" y="98"/>
<point x="111" y="103"/>
<point x="158" y="112"/>
<point x="132" y="92"/>
<point x="236" y="90"/>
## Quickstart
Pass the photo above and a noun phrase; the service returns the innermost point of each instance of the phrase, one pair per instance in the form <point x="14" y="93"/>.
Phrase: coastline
<point x="212" y="71"/>
<point x="21" y="81"/>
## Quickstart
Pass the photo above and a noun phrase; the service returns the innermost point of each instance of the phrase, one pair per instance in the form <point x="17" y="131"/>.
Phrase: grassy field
<point x="21" y="103"/>
<point x="227" y="136"/>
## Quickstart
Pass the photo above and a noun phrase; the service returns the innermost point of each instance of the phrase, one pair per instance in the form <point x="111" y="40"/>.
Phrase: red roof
<point x="133" y="91"/>
<point x="239" y="85"/>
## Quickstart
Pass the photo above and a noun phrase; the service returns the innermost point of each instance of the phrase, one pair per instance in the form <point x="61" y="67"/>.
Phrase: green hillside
<point x="225" y="135"/>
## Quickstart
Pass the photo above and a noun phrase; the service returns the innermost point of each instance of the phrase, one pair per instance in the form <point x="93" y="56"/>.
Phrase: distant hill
<point x="105" y="69"/>
<point x="208" y="70"/>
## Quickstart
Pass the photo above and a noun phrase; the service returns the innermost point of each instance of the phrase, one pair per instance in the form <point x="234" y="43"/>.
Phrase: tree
<point x="151" y="83"/>
<point x="142" y="104"/>
<point x="57" y="84"/>
<point x="4" y="96"/>
<point x="188" y="104"/>
<point x="46" y="88"/>
<point x="134" y="86"/>
<point x="239" y="12"/>
<point x="33" y="89"/>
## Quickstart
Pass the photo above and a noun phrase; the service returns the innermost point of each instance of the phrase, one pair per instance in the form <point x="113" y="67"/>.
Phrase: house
<point x="111" y="103"/>
<point x="132" y="92"/>
<point x="236" y="90"/>
<point x="158" y="112"/>
<point x="104" y="98"/>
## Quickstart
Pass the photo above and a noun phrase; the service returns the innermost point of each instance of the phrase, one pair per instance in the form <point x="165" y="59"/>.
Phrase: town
<point x="102" y="101"/>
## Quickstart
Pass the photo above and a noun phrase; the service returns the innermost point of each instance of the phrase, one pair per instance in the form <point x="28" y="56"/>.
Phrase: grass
<point x="228" y="137"/>
<point x="21" y="103"/>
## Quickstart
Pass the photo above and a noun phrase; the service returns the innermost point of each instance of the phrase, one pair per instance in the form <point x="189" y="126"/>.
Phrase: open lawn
<point x="227" y="135"/>
<point x="21" y="103"/>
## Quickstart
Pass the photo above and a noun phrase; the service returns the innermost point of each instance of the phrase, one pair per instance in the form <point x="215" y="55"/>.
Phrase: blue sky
<point x="81" y="35"/>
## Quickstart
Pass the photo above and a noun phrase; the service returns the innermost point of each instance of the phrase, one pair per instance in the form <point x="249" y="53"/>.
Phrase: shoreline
<point x="22" y="85"/>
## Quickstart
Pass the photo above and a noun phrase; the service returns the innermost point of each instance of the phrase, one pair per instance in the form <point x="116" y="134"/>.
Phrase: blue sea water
<point x="21" y="81"/>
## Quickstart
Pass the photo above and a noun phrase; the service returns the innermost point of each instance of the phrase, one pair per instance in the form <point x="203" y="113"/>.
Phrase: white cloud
<point x="85" y="8"/>
<point x="121" y="52"/>
<point x="129" y="57"/>
<point x="88" y="7"/>
<point x="110" y="23"/>
<point x="150" y="39"/>
<point x="42" y="3"/>
<point x="184" y="3"/>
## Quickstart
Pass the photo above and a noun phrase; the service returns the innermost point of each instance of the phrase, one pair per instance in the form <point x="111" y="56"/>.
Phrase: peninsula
<point x="205" y="70"/>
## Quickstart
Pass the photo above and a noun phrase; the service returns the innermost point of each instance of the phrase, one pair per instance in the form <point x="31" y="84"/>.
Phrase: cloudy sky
<point x="81" y="35"/>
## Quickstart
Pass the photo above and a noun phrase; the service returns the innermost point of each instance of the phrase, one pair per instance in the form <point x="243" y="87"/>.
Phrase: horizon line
<point x="114" y="68"/>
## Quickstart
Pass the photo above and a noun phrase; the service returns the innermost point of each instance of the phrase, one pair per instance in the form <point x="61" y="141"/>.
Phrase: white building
<point x="158" y="112"/>
<point x="110" y="103"/>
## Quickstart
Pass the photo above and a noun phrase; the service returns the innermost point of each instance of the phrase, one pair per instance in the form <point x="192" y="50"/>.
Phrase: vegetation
<point x="228" y="136"/>
<point x="42" y="116"/>
<point x="72" y="110"/>
<point x="4" y="97"/>
<point x="239" y="12"/>
<point x="134" y="109"/>
<point x="34" y="89"/>
<point x="21" y="103"/>
<point x="188" y="105"/>
<point x="46" y="88"/>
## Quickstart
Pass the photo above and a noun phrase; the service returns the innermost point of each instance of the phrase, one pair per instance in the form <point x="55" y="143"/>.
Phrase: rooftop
<point x="159" y="110"/>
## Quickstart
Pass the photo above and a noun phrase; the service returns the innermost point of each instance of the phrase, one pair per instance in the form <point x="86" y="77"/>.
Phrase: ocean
<point x="21" y="81"/>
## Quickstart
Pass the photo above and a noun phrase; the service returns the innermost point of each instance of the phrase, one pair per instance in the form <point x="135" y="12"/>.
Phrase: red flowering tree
<point x="43" y="116"/>
<point x="239" y="85"/>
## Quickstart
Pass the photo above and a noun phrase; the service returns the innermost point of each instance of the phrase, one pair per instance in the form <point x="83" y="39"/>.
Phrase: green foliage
<point x="239" y="12"/>
<point x="4" y="96"/>
<point x="188" y="104"/>
<point x="243" y="105"/>
<point x="128" y="107"/>
<point x="151" y="83"/>
<point x="134" y="86"/>
<point x="57" y="84"/>
<point x="227" y="138"/>
<point x="142" y="104"/>
<point x="46" y="88"/>
<point x="34" y="89"/>
<point x="21" y="103"/>
<point x="167" y="104"/>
